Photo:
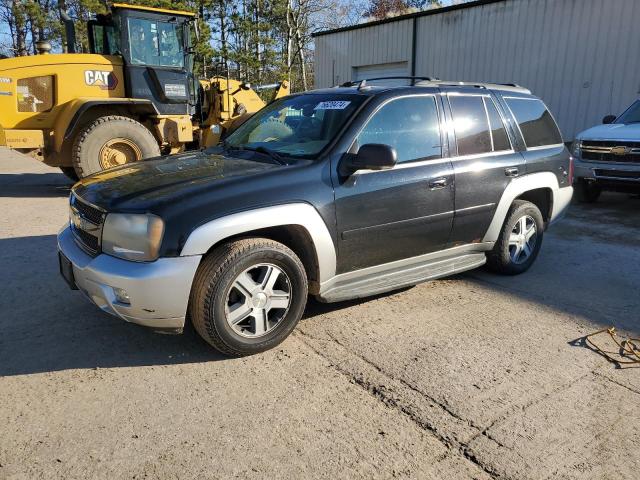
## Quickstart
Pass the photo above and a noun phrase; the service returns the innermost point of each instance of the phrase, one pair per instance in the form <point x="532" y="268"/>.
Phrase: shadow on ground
<point x="34" y="185"/>
<point x="47" y="327"/>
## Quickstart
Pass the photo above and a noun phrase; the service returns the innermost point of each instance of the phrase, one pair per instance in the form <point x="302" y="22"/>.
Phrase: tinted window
<point x="498" y="133"/>
<point x="410" y="125"/>
<point x="301" y="125"/>
<point x="470" y="124"/>
<point x="536" y="124"/>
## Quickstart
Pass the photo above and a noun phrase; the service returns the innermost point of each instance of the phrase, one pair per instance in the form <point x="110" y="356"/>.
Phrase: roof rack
<point x="512" y="87"/>
<point x="363" y="83"/>
<point x="436" y="82"/>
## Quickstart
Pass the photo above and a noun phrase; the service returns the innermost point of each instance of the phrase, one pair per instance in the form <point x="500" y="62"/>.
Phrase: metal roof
<point x="433" y="11"/>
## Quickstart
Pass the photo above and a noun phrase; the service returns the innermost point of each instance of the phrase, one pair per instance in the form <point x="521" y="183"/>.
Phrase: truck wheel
<point x="519" y="241"/>
<point x="248" y="295"/>
<point x="587" y="192"/>
<point x="112" y="141"/>
<point x="70" y="172"/>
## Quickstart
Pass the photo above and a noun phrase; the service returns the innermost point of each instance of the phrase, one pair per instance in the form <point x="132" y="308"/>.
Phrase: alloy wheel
<point x="258" y="299"/>
<point x="522" y="240"/>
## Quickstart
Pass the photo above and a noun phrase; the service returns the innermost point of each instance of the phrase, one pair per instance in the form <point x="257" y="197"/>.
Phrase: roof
<point x="399" y="18"/>
<point x="153" y="9"/>
<point x="372" y="89"/>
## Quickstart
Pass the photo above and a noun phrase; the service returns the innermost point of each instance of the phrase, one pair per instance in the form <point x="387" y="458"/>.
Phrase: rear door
<point x="388" y="215"/>
<point x="484" y="162"/>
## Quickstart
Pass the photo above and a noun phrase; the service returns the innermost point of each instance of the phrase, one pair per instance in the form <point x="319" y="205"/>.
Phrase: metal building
<point x="582" y="57"/>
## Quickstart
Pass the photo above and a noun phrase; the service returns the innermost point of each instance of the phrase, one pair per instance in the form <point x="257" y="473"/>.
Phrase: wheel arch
<point x="532" y="187"/>
<point x="82" y="111"/>
<point x="297" y="225"/>
<point x="541" y="198"/>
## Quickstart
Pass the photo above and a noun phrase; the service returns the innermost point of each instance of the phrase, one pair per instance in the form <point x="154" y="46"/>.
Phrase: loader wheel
<point x="112" y="141"/>
<point x="70" y="172"/>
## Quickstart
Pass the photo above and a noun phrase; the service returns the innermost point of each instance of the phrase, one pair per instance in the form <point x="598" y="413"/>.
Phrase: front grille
<point x="86" y="224"/>
<point x="89" y="212"/>
<point x="88" y="241"/>
<point x="617" y="174"/>
<point x="610" y="151"/>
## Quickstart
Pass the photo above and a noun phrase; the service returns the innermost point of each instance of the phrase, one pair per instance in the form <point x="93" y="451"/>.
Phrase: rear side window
<point x="536" y="124"/>
<point x="477" y="125"/>
<point x="409" y="125"/>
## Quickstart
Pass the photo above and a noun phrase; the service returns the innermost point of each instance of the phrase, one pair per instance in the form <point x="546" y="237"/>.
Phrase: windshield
<point x="631" y="115"/>
<point x="299" y="126"/>
<point x="155" y="43"/>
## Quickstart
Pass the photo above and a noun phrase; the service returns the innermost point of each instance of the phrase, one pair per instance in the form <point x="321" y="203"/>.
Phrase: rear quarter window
<point x="536" y="123"/>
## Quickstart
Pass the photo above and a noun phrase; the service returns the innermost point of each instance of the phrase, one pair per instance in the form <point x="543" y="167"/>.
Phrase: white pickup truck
<point x="607" y="157"/>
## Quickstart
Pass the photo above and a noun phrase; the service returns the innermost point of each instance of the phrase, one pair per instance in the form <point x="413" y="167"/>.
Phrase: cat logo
<point x="102" y="79"/>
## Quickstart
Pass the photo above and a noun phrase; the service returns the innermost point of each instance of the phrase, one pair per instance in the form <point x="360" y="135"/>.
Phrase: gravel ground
<point x="474" y="376"/>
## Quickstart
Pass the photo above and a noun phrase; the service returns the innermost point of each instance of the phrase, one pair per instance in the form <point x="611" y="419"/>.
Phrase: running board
<point x="405" y="275"/>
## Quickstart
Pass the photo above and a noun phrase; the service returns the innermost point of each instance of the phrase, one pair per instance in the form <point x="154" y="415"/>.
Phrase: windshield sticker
<point x="333" y="105"/>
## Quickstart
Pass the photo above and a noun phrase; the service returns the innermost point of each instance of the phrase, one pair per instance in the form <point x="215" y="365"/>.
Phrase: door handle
<point x="511" y="171"/>
<point x="437" y="183"/>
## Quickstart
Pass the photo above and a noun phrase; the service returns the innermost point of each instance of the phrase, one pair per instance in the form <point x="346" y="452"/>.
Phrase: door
<point x="396" y="69"/>
<point x="484" y="162"/>
<point x="157" y="66"/>
<point x="388" y="215"/>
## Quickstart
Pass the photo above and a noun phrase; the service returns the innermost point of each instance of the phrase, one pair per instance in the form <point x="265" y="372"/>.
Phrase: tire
<point x="512" y="255"/>
<point x="587" y="192"/>
<point x="70" y="172"/>
<point x="132" y="141"/>
<point x="219" y="299"/>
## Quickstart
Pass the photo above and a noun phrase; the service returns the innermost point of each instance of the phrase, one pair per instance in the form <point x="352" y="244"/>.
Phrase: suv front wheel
<point x="248" y="295"/>
<point x="519" y="241"/>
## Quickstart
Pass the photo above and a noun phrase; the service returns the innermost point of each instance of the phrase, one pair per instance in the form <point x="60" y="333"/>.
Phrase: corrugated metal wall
<point x="582" y="57"/>
<point x="337" y="54"/>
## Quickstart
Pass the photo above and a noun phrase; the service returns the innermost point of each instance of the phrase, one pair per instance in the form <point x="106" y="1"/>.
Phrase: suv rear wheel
<point x="519" y="241"/>
<point x="248" y="295"/>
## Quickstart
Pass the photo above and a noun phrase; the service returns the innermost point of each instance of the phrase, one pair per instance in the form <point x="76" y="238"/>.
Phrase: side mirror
<point x="609" y="119"/>
<point x="372" y="156"/>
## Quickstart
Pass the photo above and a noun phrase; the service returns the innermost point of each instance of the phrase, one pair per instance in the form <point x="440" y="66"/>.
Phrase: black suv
<point x="338" y="193"/>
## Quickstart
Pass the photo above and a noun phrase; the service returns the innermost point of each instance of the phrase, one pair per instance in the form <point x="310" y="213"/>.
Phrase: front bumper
<point x="608" y="174"/>
<point x="158" y="291"/>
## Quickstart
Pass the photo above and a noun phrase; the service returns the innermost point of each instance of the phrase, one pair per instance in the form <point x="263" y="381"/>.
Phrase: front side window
<point x="155" y="43"/>
<point x="105" y="39"/>
<point x="300" y="126"/>
<point x="536" y="123"/>
<point x="631" y="115"/>
<point x="409" y="125"/>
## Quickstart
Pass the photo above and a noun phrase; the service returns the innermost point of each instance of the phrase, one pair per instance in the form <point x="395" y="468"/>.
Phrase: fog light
<point x="121" y="295"/>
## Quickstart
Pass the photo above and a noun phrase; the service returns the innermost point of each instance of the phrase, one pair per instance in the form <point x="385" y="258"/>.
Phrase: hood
<point x="612" y="131"/>
<point x="141" y="186"/>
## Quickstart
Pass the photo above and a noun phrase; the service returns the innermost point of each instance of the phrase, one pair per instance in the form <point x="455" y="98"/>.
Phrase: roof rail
<point x="436" y="82"/>
<point x="512" y="87"/>
<point x="362" y="83"/>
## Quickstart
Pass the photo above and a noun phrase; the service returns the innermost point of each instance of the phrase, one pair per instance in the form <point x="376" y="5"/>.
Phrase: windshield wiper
<point x="272" y="153"/>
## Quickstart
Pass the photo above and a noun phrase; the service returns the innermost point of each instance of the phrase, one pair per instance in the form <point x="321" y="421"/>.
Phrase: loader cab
<point x="155" y="45"/>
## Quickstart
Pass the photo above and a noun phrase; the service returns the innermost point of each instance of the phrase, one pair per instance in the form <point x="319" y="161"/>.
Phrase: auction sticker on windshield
<point x="333" y="105"/>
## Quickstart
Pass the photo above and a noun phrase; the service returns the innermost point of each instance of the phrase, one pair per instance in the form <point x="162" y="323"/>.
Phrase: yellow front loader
<point x="133" y="97"/>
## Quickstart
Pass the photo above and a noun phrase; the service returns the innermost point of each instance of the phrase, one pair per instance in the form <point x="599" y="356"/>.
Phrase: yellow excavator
<point x="134" y="96"/>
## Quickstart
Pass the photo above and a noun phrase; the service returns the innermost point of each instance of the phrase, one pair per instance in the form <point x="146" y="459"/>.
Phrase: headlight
<point x="132" y="236"/>
<point x="575" y="148"/>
